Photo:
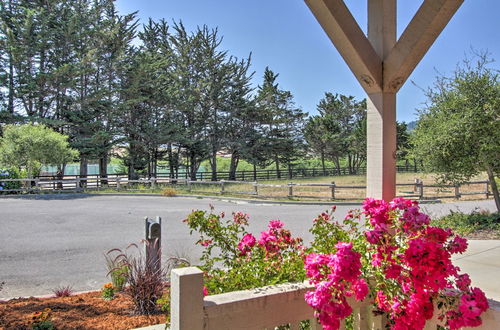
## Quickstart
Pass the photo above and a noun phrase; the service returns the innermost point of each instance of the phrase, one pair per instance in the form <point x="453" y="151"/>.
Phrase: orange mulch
<point x="82" y="311"/>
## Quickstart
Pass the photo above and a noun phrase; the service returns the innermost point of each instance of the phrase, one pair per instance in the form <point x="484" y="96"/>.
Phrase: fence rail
<point x="326" y="191"/>
<point x="267" y="307"/>
<point x="245" y="175"/>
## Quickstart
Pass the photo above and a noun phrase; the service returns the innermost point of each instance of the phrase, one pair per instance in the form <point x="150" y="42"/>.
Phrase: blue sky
<point x="284" y="35"/>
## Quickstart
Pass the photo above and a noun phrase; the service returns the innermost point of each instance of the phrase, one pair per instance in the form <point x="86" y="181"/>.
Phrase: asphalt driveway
<point x="54" y="240"/>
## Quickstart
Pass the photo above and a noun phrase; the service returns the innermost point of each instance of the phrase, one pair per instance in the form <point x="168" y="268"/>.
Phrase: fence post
<point x="118" y="186"/>
<point x="153" y="183"/>
<point x="487" y="189"/>
<point x="189" y="184"/>
<point x="333" y="190"/>
<point x="221" y="187"/>
<point x="186" y="299"/>
<point x="290" y="190"/>
<point x="421" y="189"/>
<point x="78" y="184"/>
<point x="37" y="184"/>
<point x="457" y="191"/>
<point x="255" y="188"/>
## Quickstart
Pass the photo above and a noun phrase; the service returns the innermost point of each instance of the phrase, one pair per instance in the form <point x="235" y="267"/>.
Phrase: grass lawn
<point x="347" y="188"/>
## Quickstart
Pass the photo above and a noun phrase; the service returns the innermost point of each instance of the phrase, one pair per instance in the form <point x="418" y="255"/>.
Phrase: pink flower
<point x="206" y="242"/>
<point x="360" y="289"/>
<point x="458" y="245"/>
<point x="463" y="282"/>
<point x="246" y="244"/>
<point x="240" y="218"/>
<point x="275" y="224"/>
<point x="401" y="203"/>
<point x="373" y="236"/>
<point x="205" y="291"/>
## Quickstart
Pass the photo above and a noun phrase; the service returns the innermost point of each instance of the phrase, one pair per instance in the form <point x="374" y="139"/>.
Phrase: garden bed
<point x="81" y="311"/>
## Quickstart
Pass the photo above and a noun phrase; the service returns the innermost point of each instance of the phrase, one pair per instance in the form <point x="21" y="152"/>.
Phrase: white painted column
<point x="381" y="121"/>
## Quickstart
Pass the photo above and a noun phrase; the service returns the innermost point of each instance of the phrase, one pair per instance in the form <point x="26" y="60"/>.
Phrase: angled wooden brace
<point x="417" y="38"/>
<point x="350" y="41"/>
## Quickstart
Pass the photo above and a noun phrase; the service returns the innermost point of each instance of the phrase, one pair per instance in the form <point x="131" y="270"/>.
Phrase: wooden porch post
<point x="381" y="120"/>
<point x="381" y="64"/>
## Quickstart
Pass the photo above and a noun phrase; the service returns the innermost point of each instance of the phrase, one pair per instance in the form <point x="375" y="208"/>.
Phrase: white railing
<point x="266" y="307"/>
<point x="261" y="308"/>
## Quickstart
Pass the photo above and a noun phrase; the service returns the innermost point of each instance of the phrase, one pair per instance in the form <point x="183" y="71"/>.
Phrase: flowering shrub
<point x="108" y="291"/>
<point x="8" y="185"/>
<point x="42" y="320"/>
<point x="401" y="262"/>
<point x="234" y="259"/>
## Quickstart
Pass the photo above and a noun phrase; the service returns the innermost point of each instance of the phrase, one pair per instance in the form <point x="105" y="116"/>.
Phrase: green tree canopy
<point x="339" y="130"/>
<point x="30" y="146"/>
<point x="458" y="133"/>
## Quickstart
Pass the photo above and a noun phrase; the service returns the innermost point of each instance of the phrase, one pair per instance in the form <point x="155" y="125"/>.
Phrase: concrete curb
<point x="45" y="296"/>
<point x="154" y="327"/>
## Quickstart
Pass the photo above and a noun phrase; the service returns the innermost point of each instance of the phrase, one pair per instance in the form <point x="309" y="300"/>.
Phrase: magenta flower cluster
<point x="335" y="276"/>
<point x="275" y="239"/>
<point x="408" y="264"/>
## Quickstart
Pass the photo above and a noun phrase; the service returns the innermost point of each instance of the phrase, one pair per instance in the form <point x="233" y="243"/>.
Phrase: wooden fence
<point x="266" y="307"/>
<point x="317" y="191"/>
<point x="270" y="174"/>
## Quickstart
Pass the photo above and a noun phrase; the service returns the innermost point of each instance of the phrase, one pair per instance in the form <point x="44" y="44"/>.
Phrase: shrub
<point x="42" y="320"/>
<point x="117" y="270"/>
<point x="169" y="192"/>
<point x="234" y="259"/>
<point x="465" y="224"/>
<point x="145" y="278"/>
<point x="108" y="291"/>
<point x="63" y="291"/>
<point x="387" y="253"/>
<point x="399" y="261"/>
<point x="7" y="185"/>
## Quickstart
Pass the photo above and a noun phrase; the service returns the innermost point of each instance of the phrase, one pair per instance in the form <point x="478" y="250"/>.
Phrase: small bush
<point x="117" y="270"/>
<point x="8" y="185"/>
<point x="108" y="291"/>
<point x="63" y="291"/>
<point x="145" y="277"/>
<point x="42" y="320"/>
<point x="169" y="192"/>
<point x="465" y="224"/>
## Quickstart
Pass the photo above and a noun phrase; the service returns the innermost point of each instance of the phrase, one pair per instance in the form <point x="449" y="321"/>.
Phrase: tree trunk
<point x="193" y="168"/>
<point x="290" y="174"/>
<point x="83" y="171"/>
<point x="60" y="176"/>
<point x="103" y="170"/>
<point x="213" y="165"/>
<point x="10" y="104"/>
<point x="494" y="187"/>
<point x="278" y="174"/>
<point x="337" y="165"/>
<point x="233" y="165"/>
<point x="323" y="163"/>
<point x="171" y="173"/>
<point x="254" y="172"/>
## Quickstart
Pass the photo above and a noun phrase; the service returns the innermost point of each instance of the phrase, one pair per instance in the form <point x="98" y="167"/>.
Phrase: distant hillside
<point x="411" y="125"/>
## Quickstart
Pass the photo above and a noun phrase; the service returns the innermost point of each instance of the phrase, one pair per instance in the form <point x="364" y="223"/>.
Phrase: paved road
<point x="49" y="241"/>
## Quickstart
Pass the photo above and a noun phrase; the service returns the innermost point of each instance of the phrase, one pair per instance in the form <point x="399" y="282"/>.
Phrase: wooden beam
<point x="381" y="118"/>
<point x="350" y="41"/>
<point x="418" y="37"/>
